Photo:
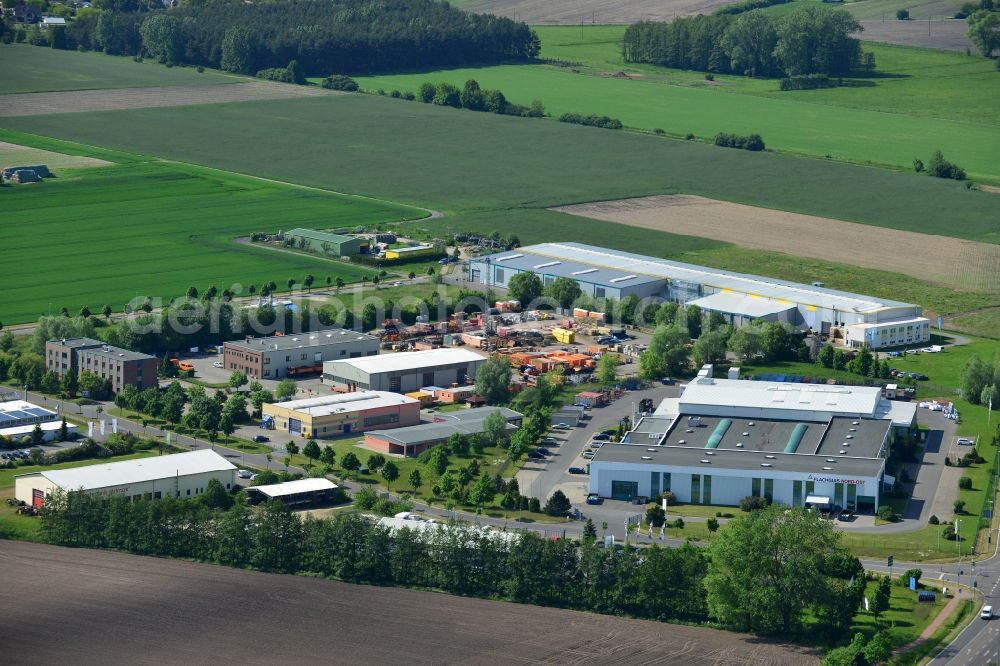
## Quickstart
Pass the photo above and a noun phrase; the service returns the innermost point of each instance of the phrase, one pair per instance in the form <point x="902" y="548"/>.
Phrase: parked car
<point x="667" y="381"/>
<point x="596" y="445"/>
<point x="594" y="498"/>
<point x="602" y="437"/>
<point x="588" y="455"/>
<point x="966" y="441"/>
<point x="260" y="439"/>
<point x="217" y="364"/>
<point x="551" y="441"/>
<point x="919" y="377"/>
<point x="895" y="354"/>
<point x="986" y="613"/>
<point x="577" y="470"/>
<point x="544" y="451"/>
<point x="244" y="474"/>
<point x="845" y="516"/>
<point x="561" y="426"/>
<point x="535" y="455"/>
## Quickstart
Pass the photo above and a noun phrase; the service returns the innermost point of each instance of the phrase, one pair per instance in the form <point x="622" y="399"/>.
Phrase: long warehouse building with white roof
<point x="604" y="273"/>
<point x="181" y="475"/>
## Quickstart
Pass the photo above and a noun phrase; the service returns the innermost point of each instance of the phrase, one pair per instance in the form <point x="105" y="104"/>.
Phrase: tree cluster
<point x="322" y="35"/>
<point x="751" y="142"/>
<point x="474" y="98"/>
<point x="807" y="41"/>
<point x="769" y="342"/>
<point x="656" y="583"/>
<point x="605" y="122"/>
<point x="291" y="73"/>
<point x="981" y="382"/>
<point x="984" y="28"/>
<point x="340" y="82"/>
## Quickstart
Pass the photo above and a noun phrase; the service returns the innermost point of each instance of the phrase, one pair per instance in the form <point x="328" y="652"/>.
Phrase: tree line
<point x="807" y="41"/>
<point x="323" y="36"/>
<point x="765" y="573"/>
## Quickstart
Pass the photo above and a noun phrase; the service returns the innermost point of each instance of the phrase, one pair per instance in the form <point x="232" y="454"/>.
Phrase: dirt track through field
<point x="576" y="12"/>
<point x="12" y="154"/>
<point x="77" y="101"/>
<point x="77" y="606"/>
<point x="952" y="262"/>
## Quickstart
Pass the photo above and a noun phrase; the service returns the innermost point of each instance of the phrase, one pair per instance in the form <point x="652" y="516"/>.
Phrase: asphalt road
<point x="78" y="606"/>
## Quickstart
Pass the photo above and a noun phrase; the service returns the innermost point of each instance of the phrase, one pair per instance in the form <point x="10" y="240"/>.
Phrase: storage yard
<point x="208" y="614"/>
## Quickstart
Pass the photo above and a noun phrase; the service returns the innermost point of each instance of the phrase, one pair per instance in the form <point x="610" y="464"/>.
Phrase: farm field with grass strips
<point x="111" y="234"/>
<point x="384" y="148"/>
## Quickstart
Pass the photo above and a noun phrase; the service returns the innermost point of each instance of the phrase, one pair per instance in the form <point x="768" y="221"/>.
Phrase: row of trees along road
<point x="322" y="36"/>
<point x="811" y="40"/>
<point x="764" y="573"/>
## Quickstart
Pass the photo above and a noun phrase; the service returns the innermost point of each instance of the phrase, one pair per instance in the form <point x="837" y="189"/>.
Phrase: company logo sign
<point x="834" y="479"/>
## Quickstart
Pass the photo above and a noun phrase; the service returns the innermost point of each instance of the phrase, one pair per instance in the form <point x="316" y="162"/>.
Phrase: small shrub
<point x="340" y="82"/>
<point x="380" y="91"/>
<point x="939" y="167"/>
<point x="534" y="505"/>
<point x="395" y="94"/>
<point x="659" y="131"/>
<point x="918" y="165"/>
<point x="949" y="532"/>
<point x="959" y="506"/>
<point x="365" y="498"/>
<point x="752" y="142"/>
<point x="605" y="122"/>
<point x="886" y="513"/>
<point x="679" y="523"/>
<point x="710" y="77"/>
<point x="409" y="96"/>
<point x="933" y="520"/>
<point x="902" y="14"/>
<point x="965" y="483"/>
<point x="689" y="137"/>
<point x="751" y="503"/>
<point x="669" y="498"/>
<point x="806" y="82"/>
<point x="200" y="69"/>
<point x="911" y="573"/>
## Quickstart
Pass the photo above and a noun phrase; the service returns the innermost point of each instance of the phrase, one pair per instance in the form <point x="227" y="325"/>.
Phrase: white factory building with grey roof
<point x="604" y="273"/>
<point x="723" y="440"/>
<point x="183" y="475"/>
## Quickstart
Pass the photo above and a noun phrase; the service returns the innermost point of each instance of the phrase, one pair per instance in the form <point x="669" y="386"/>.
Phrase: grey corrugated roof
<point x="720" y="460"/>
<point x="614" y="263"/>
<point x="330" y="336"/>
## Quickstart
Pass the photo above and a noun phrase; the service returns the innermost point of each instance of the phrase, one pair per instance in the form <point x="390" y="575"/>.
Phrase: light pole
<point x="958" y="538"/>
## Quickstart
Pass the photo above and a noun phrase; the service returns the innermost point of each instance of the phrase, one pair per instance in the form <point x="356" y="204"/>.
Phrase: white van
<point x="986" y="613"/>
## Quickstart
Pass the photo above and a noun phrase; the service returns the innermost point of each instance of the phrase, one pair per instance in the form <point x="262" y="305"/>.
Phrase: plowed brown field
<point x="76" y="101"/>
<point x="951" y="262"/>
<point x="76" y="606"/>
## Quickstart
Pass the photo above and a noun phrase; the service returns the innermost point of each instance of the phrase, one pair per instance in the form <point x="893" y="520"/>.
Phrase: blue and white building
<point x="739" y="297"/>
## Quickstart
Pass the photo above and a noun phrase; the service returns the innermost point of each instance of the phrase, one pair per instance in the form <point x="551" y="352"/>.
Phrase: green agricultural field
<point x="907" y="81"/>
<point x="871" y="123"/>
<point x="34" y="69"/>
<point x="454" y="160"/>
<point x="108" y="235"/>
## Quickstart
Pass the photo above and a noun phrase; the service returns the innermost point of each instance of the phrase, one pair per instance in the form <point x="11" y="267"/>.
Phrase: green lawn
<point x="114" y="233"/>
<point x="905" y="619"/>
<point x="33" y="69"/>
<point x="383" y="147"/>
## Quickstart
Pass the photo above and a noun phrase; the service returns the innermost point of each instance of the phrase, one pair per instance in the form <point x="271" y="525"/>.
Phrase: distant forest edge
<point x="322" y="36"/>
<point x="806" y="41"/>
